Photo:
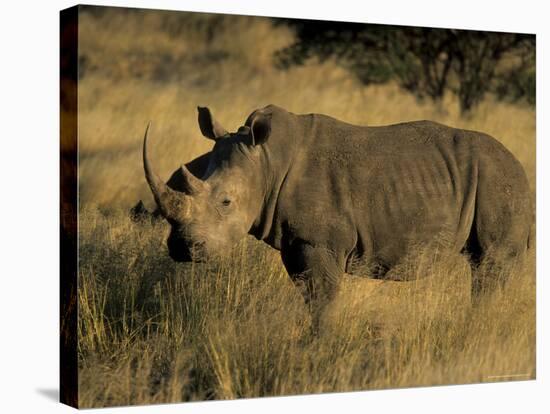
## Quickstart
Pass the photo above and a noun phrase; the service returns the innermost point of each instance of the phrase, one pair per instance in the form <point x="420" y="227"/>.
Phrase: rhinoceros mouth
<point x="181" y="251"/>
<point x="181" y="257"/>
<point x="186" y="256"/>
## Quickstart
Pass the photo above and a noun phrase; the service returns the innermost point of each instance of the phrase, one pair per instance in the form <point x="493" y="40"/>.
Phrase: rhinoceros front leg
<point x="317" y="272"/>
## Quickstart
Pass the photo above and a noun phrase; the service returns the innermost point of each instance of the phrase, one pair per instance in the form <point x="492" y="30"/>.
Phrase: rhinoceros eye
<point x="224" y="201"/>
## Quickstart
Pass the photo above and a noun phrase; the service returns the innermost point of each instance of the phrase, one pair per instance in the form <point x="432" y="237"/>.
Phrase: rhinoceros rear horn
<point x="165" y="197"/>
<point x="191" y="184"/>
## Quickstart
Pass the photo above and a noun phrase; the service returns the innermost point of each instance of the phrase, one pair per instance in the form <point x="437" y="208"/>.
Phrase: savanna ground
<point x="154" y="331"/>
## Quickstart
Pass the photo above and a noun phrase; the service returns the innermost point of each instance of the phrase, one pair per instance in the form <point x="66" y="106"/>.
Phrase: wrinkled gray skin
<point x="324" y="192"/>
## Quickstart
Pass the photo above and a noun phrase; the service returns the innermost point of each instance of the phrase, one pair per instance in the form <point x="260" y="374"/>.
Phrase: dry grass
<point x="238" y="327"/>
<point x="152" y="331"/>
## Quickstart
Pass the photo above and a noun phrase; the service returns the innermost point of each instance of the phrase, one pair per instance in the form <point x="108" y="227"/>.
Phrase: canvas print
<point x="256" y="206"/>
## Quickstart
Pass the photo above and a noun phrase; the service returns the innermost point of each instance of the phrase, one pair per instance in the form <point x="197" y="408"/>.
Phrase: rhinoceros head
<point x="211" y="213"/>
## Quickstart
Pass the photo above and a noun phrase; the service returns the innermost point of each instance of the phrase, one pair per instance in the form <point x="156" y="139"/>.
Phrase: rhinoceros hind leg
<point x="500" y="232"/>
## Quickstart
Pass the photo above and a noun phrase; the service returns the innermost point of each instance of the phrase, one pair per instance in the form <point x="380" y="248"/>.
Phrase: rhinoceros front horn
<point x="166" y="198"/>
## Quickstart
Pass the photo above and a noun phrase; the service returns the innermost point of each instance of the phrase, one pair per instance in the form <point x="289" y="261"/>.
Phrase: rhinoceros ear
<point x="260" y="128"/>
<point x="210" y="128"/>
